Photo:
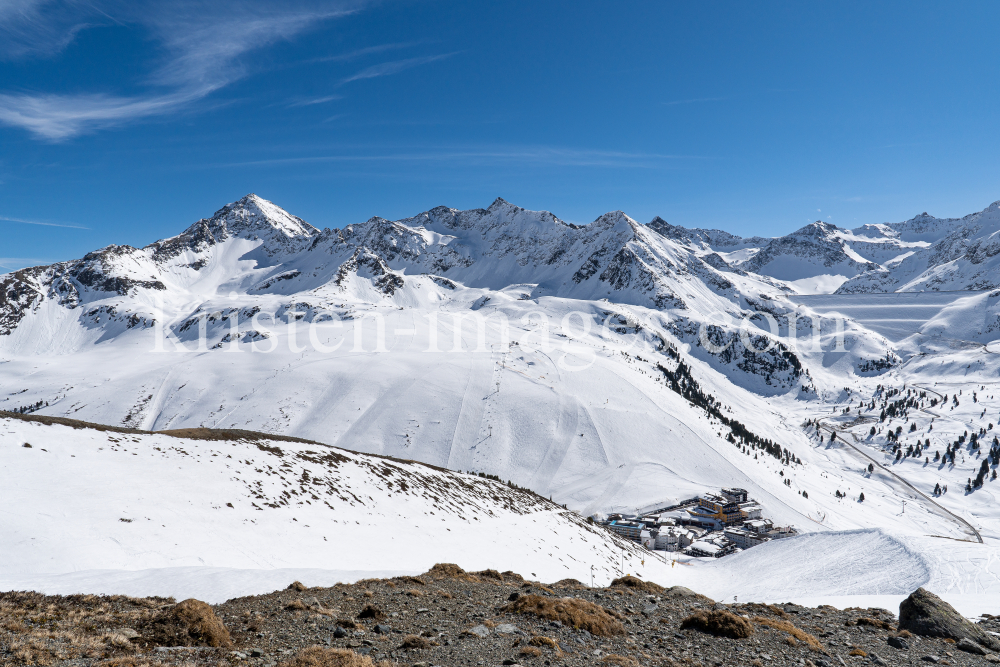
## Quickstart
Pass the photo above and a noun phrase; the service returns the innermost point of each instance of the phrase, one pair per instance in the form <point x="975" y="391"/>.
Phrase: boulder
<point x="372" y="612"/>
<point x="969" y="646"/>
<point x="479" y="631"/>
<point x="189" y="623"/>
<point x="925" y="614"/>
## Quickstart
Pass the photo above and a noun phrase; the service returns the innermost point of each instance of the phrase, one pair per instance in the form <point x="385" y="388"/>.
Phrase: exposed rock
<point x="372" y="612"/>
<point x="682" y="592"/>
<point x="969" y="646"/>
<point x="925" y="614"/>
<point x="479" y="631"/>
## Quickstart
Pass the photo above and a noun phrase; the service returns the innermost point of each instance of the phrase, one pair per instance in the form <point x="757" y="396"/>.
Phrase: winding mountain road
<point x="930" y="503"/>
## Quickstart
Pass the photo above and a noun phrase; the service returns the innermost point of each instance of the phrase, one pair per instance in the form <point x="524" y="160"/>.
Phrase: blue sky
<point x="124" y="122"/>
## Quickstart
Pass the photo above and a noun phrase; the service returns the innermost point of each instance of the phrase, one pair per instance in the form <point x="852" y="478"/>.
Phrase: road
<point x="936" y="508"/>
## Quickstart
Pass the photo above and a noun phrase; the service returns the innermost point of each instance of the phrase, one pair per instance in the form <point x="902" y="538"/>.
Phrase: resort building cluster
<point x="710" y="525"/>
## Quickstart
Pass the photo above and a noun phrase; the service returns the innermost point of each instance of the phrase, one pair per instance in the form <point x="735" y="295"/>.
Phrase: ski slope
<point x="861" y="568"/>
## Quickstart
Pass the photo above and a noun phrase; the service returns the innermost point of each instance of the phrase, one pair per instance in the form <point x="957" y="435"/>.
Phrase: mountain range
<point x="613" y="366"/>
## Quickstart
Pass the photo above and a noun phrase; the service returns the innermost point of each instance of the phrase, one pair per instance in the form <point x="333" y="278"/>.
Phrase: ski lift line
<point x="922" y="495"/>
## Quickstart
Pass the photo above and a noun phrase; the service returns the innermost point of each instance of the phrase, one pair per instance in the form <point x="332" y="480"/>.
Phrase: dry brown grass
<point x="628" y="581"/>
<point x="620" y="660"/>
<point x="297" y="586"/>
<point x="188" y="623"/>
<point x="42" y="630"/>
<point x="296" y="605"/>
<point x="788" y="628"/>
<point x="720" y="623"/>
<point x="858" y="652"/>
<point x="452" y="571"/>
<point x="447" y="571"/>
<point x="547" y="642"/>
<point x="317" y="656"/>
<point x="415" y="642"/>
<point x="414" y="593"/>
<point x="876" y="623"/>
<point x="573" y="612"/>
<point x="569" y="583"/>
<point x="531" y="652"/>
<point x="905" y="634"/>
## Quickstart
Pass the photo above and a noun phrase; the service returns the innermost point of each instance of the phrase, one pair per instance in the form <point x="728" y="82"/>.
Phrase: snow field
<point x="88" y="500"/>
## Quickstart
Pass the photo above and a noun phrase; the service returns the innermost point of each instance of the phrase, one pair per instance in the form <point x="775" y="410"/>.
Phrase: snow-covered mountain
<point x="921" y="254"/>
<point x="959" y="254"/>
<point x="611" y="366"/>
<point x="246" y="277"/>
<point x="817" y="258"/>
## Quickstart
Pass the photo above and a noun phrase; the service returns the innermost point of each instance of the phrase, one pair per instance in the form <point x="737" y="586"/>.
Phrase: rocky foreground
<point x="451" y="617"/>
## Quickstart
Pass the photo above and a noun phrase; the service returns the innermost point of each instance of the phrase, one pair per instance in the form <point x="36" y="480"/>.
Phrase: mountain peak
<point x="612" y="218"/>
<point x="818" y="228"/>
<point x="256" y="216"/>
<point x="499" y="203"/>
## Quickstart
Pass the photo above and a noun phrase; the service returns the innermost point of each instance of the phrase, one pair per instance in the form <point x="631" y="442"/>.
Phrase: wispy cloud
<point x="14" y="263"/>
<point x="315" y="100"/>
<point x="394" y="66"/>
<point x="40" y="27"/>
<point x="523" y="155"/>
<point x="360" y="53"/>
<point x="57" y="117"/>
<point x="204" y="41"/>
<point x="21" y="221"/>
<point x="695" y="100"/>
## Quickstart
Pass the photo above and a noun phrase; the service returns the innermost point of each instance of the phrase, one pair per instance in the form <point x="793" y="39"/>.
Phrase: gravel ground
<point x="449" y="617"/>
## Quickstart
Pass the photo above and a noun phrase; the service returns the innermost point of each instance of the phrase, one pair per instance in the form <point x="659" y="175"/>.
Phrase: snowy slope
<point x="90" y="500"/>
<point x="863" y="568"/>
